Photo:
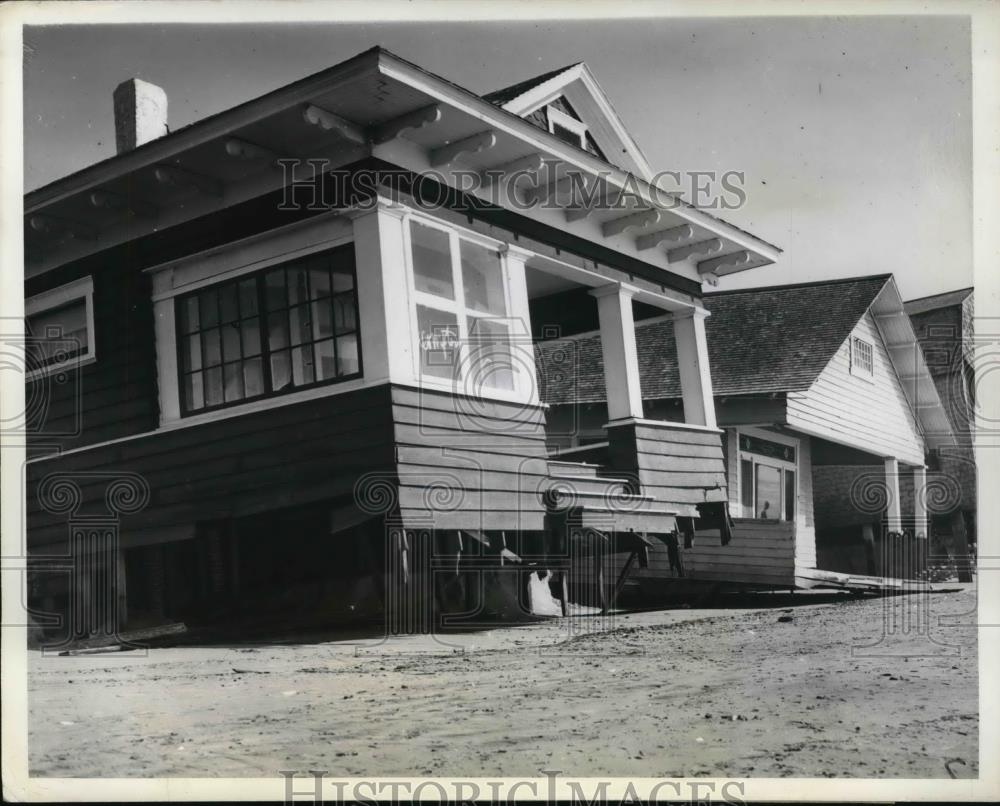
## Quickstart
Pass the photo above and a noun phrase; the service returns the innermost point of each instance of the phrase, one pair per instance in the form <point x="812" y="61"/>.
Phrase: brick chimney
<point x="140" y="113"/>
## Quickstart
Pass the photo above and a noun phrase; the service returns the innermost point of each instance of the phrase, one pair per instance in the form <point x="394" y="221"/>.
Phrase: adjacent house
<point x="944" y="325"/>
<point x="828" y="411"/>
<point x="282" y="360"/>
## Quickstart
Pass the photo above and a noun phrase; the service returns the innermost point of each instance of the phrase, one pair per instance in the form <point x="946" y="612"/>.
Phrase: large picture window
<point x="462" y="310"/>
<point x="287" y="328"/>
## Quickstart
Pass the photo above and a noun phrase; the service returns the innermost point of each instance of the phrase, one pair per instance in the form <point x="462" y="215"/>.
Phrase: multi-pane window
<point x="287" y="328"/>
<point x="461" y="310"/>
<point x="862" y="357"/>
<point x="60" y="325"/>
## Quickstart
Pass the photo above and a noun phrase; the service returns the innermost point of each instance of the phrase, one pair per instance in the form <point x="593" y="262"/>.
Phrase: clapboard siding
<point x="288" y="455"/>
<point x="761" y="552"/>
<point x="469" y="463"/>
<point x="116" y="395"/>
<point x="678" y="466"/>
<point x="872" y="415"/>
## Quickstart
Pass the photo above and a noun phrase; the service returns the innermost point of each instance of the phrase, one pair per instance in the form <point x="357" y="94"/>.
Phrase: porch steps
<point x="601" y="501"/>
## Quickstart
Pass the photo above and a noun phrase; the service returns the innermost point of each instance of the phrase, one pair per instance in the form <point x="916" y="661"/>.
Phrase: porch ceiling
<point x="379" y="105"/>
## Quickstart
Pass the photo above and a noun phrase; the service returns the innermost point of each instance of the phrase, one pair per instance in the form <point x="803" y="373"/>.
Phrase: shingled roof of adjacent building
<point x="502" y="96"/>
<point x="760" y="341"/>
<point x="936" y="301"/>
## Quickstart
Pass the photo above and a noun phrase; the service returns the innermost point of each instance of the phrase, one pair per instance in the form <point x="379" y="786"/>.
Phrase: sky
<point x="853" y="134"/>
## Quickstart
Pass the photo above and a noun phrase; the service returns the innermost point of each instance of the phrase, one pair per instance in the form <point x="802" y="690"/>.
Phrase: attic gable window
<point x="862" y="357"/>
<point x="567" y="128"/>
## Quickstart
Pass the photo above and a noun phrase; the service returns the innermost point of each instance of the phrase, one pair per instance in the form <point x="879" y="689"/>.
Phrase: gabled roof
<point x="507" y="94"/>
<point x="760" y="341"/>
<point x="578" y="86"/>
<point x="377" y="106"/>
<point x="937" y="301"/>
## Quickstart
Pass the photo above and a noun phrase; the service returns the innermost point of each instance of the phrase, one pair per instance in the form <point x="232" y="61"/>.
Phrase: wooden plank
<point x="754" y="564"/>
<point x="656" y="448"/>
<point x="510" y="443"/>
<point x="476" y="520"/>
<point x="491" y="408"/>
<point x="682" y="479"/>
<point x="665" y="462"/>
<point x="694" y="495"/>
<point x="677" y="435"/>
<point x="451" y="423"/>
<point x="443" y="401"/>
<point x="493" y="460"/>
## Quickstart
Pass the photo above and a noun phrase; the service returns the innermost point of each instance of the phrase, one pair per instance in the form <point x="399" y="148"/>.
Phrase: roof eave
<point x="896" y="329"/>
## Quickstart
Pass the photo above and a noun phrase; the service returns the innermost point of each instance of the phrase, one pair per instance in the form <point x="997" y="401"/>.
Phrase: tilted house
<point x="284" y="356"/>
<point x="828" y="411"/>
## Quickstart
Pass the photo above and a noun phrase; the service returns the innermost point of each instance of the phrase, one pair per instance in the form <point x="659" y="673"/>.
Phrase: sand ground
<point x="845" y="688"/>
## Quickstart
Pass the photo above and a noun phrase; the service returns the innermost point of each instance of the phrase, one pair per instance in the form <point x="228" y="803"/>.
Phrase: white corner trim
<point x="82" y="288"/>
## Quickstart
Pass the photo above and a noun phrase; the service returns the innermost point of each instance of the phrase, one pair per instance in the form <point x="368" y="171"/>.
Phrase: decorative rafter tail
<point x="447" y="154"/>
<point x="417" y="119"/>
<point x="674" y="235"/>
<point x="708" y="247"/>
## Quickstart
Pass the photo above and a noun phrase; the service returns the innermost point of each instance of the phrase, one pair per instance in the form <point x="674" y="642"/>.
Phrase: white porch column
<point x="621" y="362"/>
<point x="519" y="321"/>
<point x="692" y="361"/>
<point x="383" y="297"/>
<point x="921" y="527"/>
<point x="893" y="511"/>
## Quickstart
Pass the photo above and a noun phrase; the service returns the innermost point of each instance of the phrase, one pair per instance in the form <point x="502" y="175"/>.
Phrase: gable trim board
<point x="579" y="87"/>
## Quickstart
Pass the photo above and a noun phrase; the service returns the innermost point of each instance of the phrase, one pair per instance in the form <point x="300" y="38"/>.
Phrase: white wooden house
<point x="828" y="410"/>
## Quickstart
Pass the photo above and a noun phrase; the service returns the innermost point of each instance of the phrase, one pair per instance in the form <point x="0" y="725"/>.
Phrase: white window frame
<point x="221" y="264"/>
<point x="759" y="459"/>
<point x="57" y="298"/>
<point x="524" y="387"/>
<point x="567" y="122"/>
<point x="860" y="371"/>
